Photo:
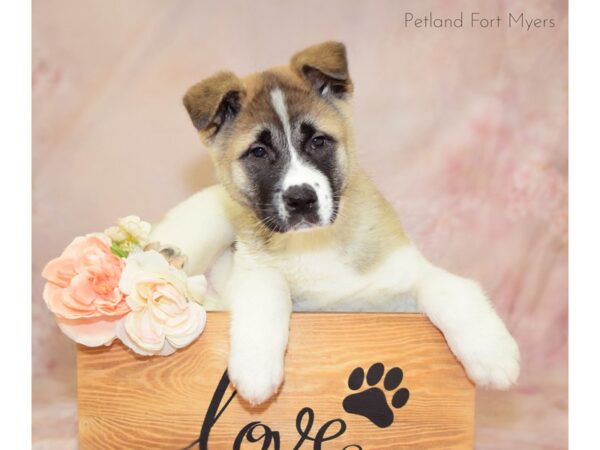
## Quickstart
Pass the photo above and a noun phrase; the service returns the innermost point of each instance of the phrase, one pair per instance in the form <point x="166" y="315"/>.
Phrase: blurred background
<point x="464" y="130"/>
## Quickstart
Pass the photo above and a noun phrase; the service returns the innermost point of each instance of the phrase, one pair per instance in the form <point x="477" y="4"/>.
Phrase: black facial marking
<point x="307" y="130"/>
<point x="265" y="137"/>
<point x="322" y="156"/>
<point x="264" y="173"/>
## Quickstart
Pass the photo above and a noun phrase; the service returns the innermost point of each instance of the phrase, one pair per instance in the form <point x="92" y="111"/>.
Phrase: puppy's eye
<point x="258" y="152"/>
<point x="317" y="142"/>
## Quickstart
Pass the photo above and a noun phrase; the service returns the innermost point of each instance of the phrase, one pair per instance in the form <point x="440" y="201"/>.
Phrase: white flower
<point x="165" y="311"/>
<point x="130" y="229"/>
<point x="116" y="234"/>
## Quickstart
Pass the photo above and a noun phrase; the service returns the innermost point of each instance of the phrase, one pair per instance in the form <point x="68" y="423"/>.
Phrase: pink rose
<point x="83" y="290"/>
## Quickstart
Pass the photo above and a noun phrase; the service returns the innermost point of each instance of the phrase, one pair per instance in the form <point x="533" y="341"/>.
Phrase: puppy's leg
<point x="461" y="310"/>
<point x="201" y="226"/>
<point x="260" y="307"/>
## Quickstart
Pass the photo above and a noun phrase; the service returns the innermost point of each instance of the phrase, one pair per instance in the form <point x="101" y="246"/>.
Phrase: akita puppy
<point x="307" y="227"/>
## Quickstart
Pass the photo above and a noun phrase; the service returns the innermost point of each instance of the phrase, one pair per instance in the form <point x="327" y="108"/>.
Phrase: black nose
<point x="299" y="199"/>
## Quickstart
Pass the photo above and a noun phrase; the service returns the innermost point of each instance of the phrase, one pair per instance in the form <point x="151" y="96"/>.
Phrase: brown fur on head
<point x="211" y="102"/>
<point x="281" y="140"/>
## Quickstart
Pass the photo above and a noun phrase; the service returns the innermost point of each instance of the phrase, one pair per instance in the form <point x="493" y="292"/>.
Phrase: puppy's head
<point x="281" y="140"/>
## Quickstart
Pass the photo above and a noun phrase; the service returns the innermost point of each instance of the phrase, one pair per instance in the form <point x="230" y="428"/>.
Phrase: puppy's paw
<point x="171" y="253"/>
<point x="491" y="358"/>
<point x="474" y="331"/>
<point x="255" y="375"/>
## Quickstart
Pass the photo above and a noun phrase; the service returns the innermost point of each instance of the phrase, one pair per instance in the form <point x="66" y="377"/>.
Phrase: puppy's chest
<point x="327" y="276"/>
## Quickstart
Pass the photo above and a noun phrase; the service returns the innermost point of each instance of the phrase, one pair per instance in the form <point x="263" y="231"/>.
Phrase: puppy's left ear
<point x="214" y="102"/>
<point x="325" y="67"/>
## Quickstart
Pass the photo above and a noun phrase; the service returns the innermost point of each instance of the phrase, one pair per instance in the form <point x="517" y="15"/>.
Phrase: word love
<point x="256" y="431"/>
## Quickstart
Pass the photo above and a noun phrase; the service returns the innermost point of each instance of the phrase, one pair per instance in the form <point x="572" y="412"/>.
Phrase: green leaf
<point x="118" y="250"/>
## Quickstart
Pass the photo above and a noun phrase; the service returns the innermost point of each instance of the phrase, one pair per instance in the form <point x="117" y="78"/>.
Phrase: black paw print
<point x="372" y="402"/>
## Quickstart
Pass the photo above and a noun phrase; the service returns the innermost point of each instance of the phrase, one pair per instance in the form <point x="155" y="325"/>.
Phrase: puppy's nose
<point x="299" y="199"/>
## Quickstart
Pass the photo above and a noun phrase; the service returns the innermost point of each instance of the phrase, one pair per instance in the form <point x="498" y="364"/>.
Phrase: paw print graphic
<point x="371" y="402"/>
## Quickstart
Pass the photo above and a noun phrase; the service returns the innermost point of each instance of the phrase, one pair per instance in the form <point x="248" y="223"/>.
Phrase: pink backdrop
<point x="465" y="131"/>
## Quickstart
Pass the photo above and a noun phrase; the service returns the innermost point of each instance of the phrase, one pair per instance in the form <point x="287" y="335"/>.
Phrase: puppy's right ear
<point x="325" y="67"/>
<point x="213" y="102"/>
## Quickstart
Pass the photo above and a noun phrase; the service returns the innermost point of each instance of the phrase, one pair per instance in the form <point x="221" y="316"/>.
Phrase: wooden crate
<point x="132" y="402"/>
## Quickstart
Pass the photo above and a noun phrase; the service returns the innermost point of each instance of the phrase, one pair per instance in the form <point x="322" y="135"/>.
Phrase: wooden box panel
<point x="132" y="402"/>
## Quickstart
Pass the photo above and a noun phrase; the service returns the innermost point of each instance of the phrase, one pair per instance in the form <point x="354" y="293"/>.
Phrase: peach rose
<point x="82" y="290"/>
<point x="165" y="310"/>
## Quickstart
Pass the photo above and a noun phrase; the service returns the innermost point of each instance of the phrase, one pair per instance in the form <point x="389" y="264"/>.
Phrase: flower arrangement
<point x="119" y="284"/>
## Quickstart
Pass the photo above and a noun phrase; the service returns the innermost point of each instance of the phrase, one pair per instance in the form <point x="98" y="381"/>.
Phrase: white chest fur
<point x="324" y="279"/>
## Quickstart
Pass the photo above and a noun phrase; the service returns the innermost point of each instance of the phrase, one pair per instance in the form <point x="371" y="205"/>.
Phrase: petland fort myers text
<point x="478" y="20"/>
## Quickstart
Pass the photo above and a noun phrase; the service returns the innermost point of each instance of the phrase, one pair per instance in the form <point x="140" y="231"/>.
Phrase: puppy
<point x="309" y="227"/>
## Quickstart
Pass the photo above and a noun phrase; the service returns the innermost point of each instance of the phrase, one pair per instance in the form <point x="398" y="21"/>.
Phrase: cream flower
<point x="165" y="311"/>
<point x="130" y="231"/>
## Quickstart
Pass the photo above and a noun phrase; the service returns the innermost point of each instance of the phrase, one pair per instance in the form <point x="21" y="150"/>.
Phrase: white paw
<point x="256" y="375"/>
<point x="490" y="357"/>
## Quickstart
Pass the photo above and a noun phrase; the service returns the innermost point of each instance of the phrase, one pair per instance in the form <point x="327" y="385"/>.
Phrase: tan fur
<point x="367" y="230"/>
<point x="203" y="99"/>
<point x="328" y="58"/>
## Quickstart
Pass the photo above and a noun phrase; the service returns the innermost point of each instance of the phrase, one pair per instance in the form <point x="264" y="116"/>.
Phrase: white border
<point x="584" y="235"/>
<point x="584" y="223"/>
<point x="15" y="261"/>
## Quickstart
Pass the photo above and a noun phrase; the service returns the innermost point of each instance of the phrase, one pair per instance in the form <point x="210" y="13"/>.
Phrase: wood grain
<point x="132" y="402"/>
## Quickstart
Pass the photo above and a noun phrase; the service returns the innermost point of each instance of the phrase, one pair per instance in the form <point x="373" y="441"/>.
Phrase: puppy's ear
<point x="213" y="102"/>
<point x="325" y="67"/>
